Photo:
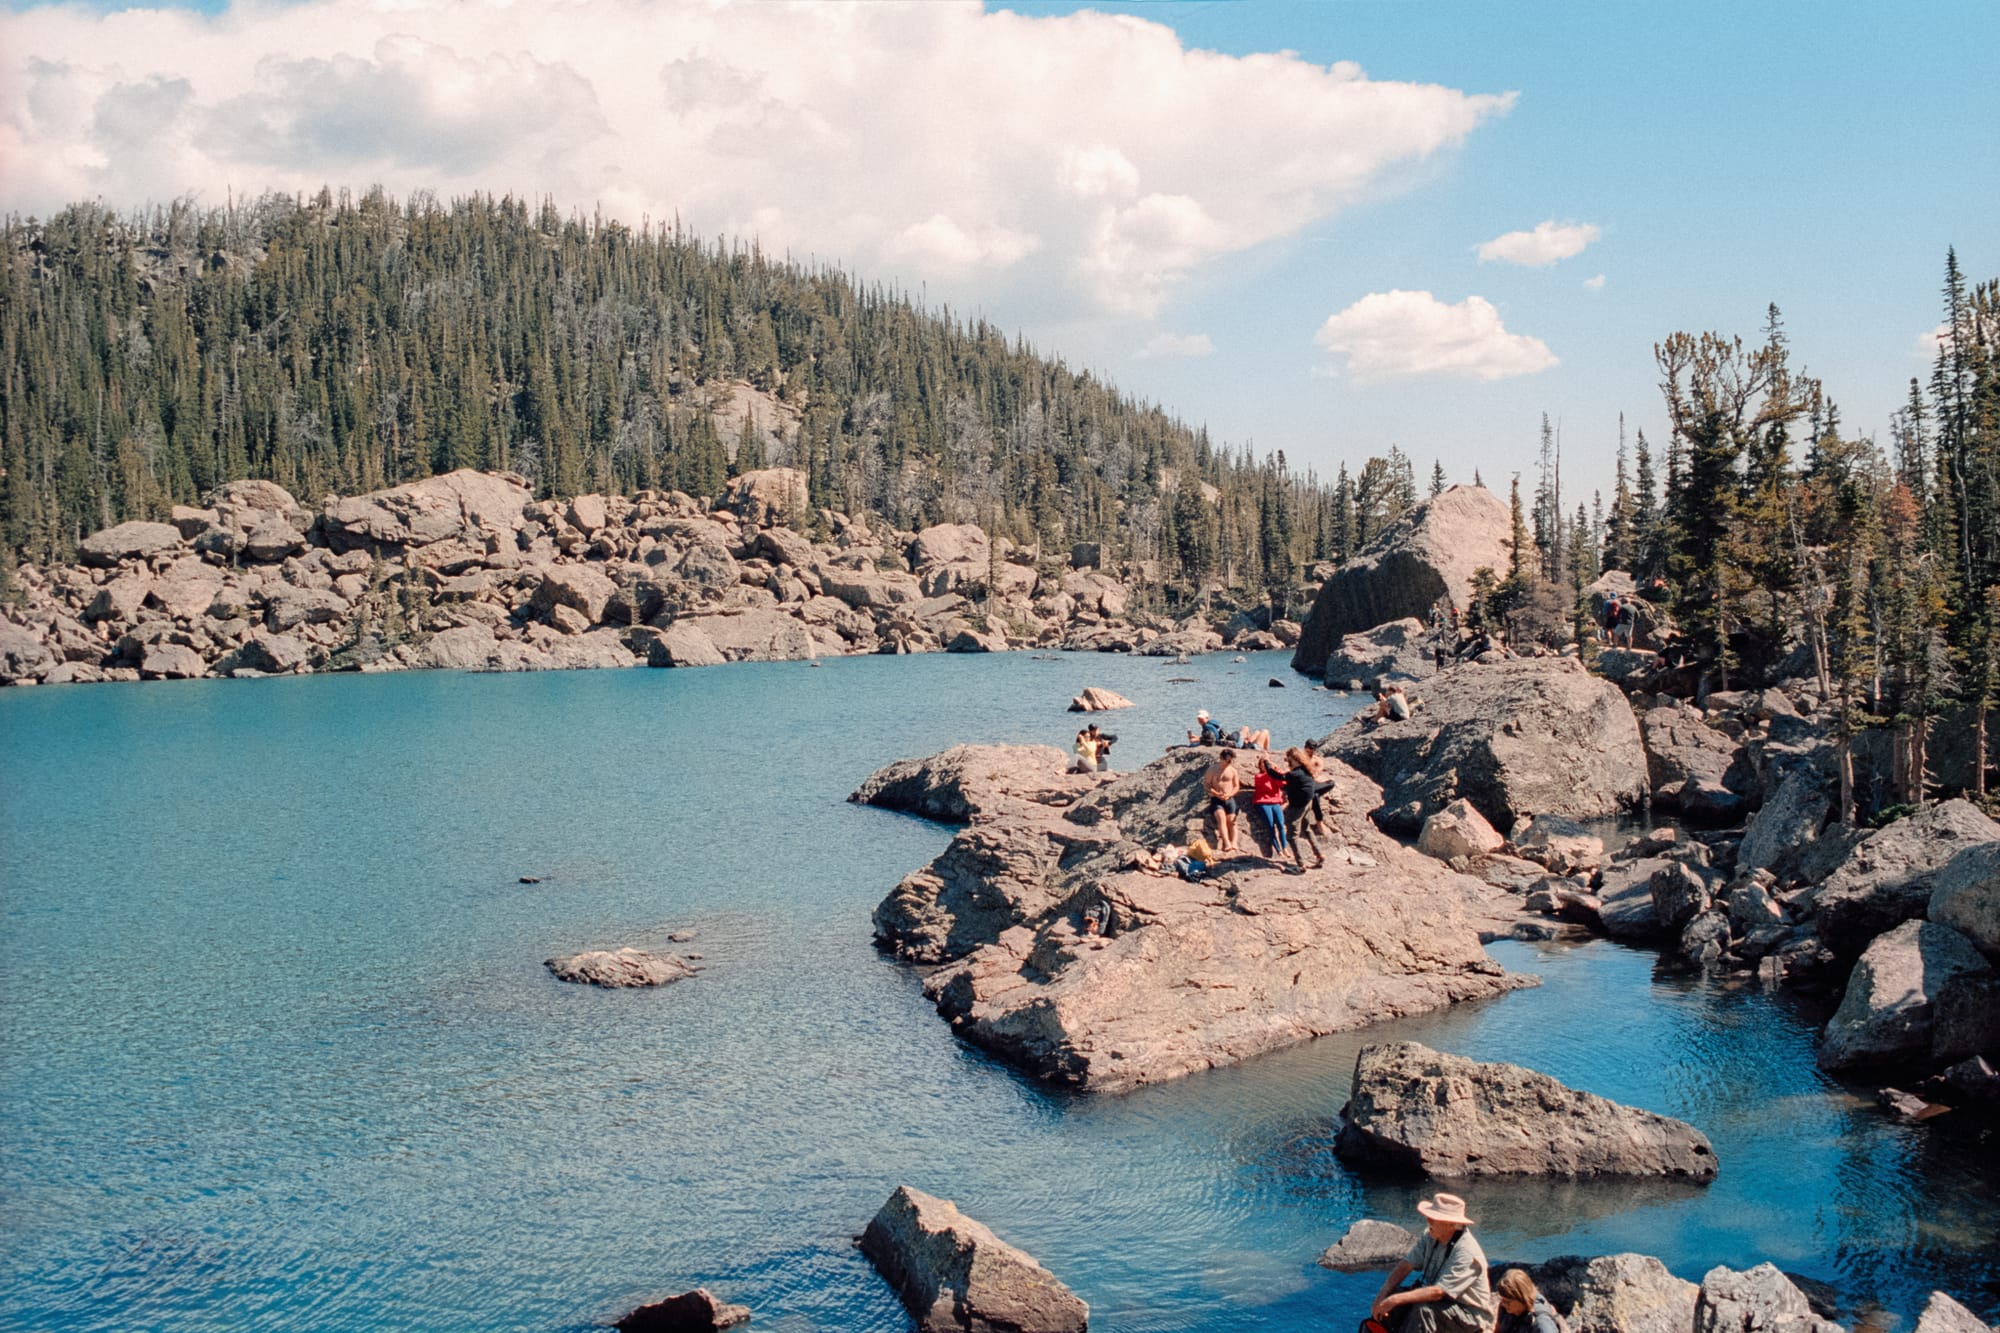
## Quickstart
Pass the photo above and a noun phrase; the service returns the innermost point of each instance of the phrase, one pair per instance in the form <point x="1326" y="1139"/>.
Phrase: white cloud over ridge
<point x="1089" y="158"/>
<point x="1412" y="335"/>
<point x="1168" y="346"/>
<point x="1544" y="245"/>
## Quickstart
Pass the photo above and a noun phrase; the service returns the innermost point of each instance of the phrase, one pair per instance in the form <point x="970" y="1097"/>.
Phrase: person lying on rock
<point x="1301" y="790"/>
<point x="1522" y="1308"/>
<point x="1222" y="784"/>
<point x="1246" y="739"/>
<point x="1451" y="1295"/>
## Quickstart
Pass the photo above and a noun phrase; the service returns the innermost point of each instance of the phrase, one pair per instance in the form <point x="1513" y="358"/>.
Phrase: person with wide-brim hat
<point x="1451" y="1294"/>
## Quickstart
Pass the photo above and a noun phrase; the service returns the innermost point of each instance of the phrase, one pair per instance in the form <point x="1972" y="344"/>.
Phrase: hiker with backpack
<point x="1451" y="1295"/>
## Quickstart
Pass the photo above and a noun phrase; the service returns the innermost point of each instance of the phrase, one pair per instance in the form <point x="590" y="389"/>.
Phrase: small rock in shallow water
<point x="531" y="879"/>
<point x="694" y="1311"/>
<point x="620" y="968"/>
<point x="681" y="936"/>
<point x="1368" y="1244"/>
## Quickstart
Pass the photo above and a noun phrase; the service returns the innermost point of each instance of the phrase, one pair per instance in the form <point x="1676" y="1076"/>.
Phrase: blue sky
<point x="1185" y="223"/>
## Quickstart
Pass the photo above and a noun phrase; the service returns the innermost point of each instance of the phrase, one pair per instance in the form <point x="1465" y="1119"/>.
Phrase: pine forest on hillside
<point x="339" y="346"/>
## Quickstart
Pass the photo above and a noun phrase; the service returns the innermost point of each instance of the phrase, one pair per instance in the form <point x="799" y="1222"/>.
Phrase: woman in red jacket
<point x="1268" y="794"/>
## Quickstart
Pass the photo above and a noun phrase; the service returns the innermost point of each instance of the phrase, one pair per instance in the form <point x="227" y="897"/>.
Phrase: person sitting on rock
<point x="1301" y="790"/>
<point x="1211" y="732"/>
<point x="1267" y="790"/>
<point x="1451" y="1294"/>
<point x="1085" y="752"/>
<point x="1103" y="742"/>
<point x="1222" y="784"/>
<point x="1522" y="1308"/>
<point x="1194" y="863"/>
<point x="1391" y="705"/>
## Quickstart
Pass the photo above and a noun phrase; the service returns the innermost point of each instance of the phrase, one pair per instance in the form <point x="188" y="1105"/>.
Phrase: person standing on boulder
<point x="1452" y="1294"/>
<point x="1219" y="780"/>
<point x="1301" y="790"/>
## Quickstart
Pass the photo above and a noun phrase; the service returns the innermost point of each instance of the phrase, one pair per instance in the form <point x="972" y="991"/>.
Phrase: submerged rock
<point x="1445" y="1115"/>
<point x="696" y="1311"/>
<point x="1525" y="736"/>
<point x="954" y="1274"/>
<point x="620" y="968"/>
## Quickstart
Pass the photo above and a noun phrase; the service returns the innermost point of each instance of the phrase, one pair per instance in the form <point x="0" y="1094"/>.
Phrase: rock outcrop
<point x="468" y="571"/>
<point x="956" y="1276"/>
<point x="1888" y="1012"/>
<point x="1888" y="879"/>
<point x="1966" y="896"/>
<point x="697" y="1311"/>
<point x="1431" y="553"/>
<point x="1413" y="1108"/>
<point x="621" y="968"/>
<point x="1631" y="1293"/>
<point x="1524" y="736"/>
<point x="1458" y="830"/>
<point x="1755" y="1300"/>
<point x="1942" y="1314"/>
<point x="1183" y="975"/>
<point x="1399" y="650"/>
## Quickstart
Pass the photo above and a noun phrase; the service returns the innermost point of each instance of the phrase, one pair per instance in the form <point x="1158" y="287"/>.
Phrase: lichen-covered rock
<point x="1888" y="879"/>
<point x="1431" y="553"/>
<point x="1756" y="1300"/>
<point x="955" y="1276"/>
<point x="1681" y="745"/>
<point x="1781" y="833"/>
<point x="1418" y="1109"/>
<point x="1631" y="1293"/>
<point x="1887" y="1012"/>
<point x="1525" y="736"/>
<point x="620" y="968"/>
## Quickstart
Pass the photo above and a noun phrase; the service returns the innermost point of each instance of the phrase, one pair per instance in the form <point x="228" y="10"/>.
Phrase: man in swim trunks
<point x="1222" y="784"/>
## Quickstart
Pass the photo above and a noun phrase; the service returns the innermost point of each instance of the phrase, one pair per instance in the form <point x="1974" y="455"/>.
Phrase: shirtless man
<point x="1219" y="780"/>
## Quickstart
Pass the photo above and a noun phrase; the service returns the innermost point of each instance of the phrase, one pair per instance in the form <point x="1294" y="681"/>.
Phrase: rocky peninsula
<point x="469" y="570"/>
<point x="1183" y="975"/>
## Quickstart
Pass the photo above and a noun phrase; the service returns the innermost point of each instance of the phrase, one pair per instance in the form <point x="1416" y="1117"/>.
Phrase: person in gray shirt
<point x="1451" y="1294"/>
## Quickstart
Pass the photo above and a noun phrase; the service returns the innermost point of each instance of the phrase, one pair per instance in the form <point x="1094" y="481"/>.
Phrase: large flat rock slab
<point x="1418" y="1109"/>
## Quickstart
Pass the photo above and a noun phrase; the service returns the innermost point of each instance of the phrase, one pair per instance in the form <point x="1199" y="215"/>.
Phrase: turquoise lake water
<point x="277" y="1048"/>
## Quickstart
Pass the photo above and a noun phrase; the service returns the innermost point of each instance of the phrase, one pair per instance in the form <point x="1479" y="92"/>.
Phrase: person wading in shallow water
<point x="1451" y="1295"/>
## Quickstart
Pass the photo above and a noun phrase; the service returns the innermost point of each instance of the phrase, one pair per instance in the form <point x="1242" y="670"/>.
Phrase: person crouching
<point x="1451" y="1294"/>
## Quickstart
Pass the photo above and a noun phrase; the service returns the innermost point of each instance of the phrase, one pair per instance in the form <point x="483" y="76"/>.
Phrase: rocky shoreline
<point x="469" y="571"/>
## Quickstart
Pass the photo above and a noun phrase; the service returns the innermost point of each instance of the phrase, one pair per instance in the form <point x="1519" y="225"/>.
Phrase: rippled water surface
<point x="277" y="1048"/>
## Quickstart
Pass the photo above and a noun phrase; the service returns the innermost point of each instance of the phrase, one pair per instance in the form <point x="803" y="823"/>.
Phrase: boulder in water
<point x="1942" y="1314"/>
<point x="955" y="1275"/>
<point x="1094" y="700"/>
<point x="1367" y="1246"/>
<point x="1418" y="1109"/>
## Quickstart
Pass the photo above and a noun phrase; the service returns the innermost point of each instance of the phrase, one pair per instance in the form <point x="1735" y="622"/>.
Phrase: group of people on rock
<point x="1450" y="1291"/>
<point x="1286" y="810"/>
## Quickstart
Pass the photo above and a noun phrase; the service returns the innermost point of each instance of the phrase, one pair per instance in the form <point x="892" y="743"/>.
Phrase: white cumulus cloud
<point x="1595" y="284"/>
<point x="1544" y="245"/>
<point x="1164" y="346"/>
<point x="1407" y="335"/>
<point x="1086" y="162"/>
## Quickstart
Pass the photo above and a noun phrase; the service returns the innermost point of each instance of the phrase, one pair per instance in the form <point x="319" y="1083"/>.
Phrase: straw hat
<point x="1445" y="1208"/>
